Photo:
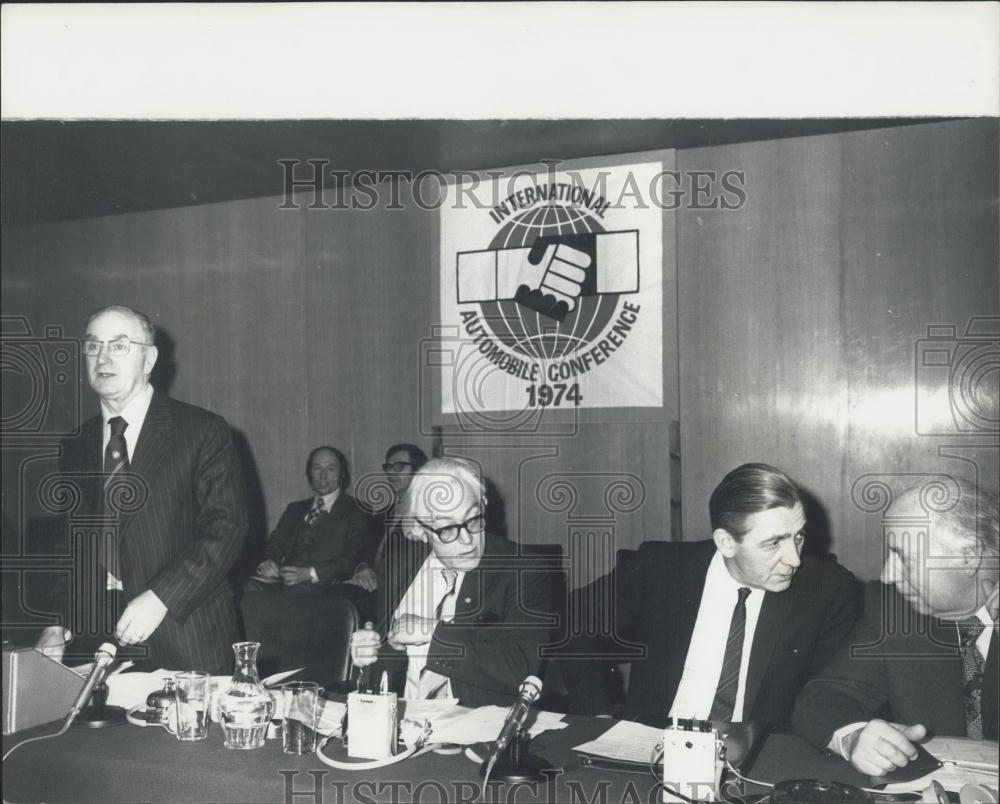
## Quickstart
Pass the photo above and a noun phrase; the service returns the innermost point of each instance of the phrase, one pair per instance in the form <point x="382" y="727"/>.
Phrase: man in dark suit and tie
<point x="923" y="658"/>
<point x="161" y="579"/>
<point x="461" y="617"/>
<point x="320" y="540"/>
<point x="734" y="626"/>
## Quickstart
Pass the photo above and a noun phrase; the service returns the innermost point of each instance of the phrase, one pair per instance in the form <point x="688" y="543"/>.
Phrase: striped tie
<point x="973" y="666"/>
<point x="116" y="453"/>
<point x="729" y="677"/>
<point x="115" y="461"/>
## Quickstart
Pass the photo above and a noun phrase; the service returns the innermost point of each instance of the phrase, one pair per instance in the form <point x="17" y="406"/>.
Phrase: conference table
<point x="130" y="764"/>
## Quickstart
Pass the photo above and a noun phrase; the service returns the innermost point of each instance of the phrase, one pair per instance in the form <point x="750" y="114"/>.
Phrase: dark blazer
<point x="898" y="665"/>
<point x="797" y="630"/>
<point x="339" y="539"/>
<point x="500" y="624"/>
<point x="180" y="536"/>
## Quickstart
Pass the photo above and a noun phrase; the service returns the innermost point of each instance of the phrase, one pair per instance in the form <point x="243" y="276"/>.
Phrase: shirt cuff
<point x="836" y="744"/>
<point x="313" y="575"/>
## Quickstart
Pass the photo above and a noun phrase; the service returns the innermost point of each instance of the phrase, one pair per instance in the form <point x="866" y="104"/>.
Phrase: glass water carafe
<point x="245" y="706"/>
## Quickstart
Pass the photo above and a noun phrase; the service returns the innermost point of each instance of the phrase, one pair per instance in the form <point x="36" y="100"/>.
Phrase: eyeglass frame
<point x="459" y="527"/>
<point x="109" y="343"/>
<point x="390" y="467"/>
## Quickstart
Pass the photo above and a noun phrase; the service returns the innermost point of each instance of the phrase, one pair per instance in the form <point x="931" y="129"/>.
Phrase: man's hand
<point x="52" y="641"/>
<point x="364" y="576"/>
<point x="364" y="646"/>
<point x="293" y="576"/>
<point x="268" y="569"/>
<point x="880" y="747"/>
<point x="411" y="630"/>
<point x="140" y="619"/>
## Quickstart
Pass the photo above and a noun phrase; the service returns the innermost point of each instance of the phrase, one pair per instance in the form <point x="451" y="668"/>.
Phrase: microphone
<point x="527" y="694"/>
<point x="102" y="661"/>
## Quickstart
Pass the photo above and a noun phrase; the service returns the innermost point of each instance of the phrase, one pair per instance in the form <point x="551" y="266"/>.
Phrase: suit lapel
<point x="689" y="583"/>
<point x="991" y="717"/>
<point x="478" y="584"/>
<point x="85" y="462"/>
<point x="774" y="611"/>
<point x="151" y="449"/>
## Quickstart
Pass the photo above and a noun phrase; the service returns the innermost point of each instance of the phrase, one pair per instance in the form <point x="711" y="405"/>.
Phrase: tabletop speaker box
<point x="36" y="689"/>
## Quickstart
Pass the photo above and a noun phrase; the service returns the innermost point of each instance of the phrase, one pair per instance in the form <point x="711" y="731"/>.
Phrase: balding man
<point x="319" y="540"/>
<point x="163" y="580"/>
<point x="923" y="658"/>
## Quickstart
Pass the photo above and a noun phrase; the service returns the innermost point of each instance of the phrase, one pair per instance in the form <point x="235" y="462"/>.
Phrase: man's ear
<point x="971" y="559"/>
<point x="150" y="359"/>
<point x="725" y="542"/>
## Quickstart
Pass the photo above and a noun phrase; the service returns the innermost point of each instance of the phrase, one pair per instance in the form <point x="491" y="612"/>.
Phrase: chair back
<point x="301" y="630"/>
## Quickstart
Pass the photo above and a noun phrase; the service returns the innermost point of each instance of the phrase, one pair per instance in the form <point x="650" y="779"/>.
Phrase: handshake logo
<point x="554" y="274"/>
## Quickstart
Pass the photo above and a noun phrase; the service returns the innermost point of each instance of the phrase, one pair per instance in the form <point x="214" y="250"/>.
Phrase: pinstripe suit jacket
<point x="182" y="539"/>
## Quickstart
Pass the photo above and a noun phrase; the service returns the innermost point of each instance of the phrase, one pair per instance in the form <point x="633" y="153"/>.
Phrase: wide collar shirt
<point x="428" y="596"/>
<point x="134" y="414"/>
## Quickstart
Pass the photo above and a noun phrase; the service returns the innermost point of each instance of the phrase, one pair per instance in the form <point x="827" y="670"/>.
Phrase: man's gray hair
<point x="430" y="493"/>
<point x="148" y="330"/>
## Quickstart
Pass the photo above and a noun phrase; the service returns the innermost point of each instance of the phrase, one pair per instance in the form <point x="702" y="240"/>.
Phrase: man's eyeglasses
<point x="116" y="348"/>
<point x="396" y="466"/>
<point x="450" y="533"/>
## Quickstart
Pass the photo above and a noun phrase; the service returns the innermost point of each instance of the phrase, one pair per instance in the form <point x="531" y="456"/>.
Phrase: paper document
<point x="625" y="742"/>
<point x="982" y="754"/>
<point x="484" y="724"/>
<point x="951" y="777"/>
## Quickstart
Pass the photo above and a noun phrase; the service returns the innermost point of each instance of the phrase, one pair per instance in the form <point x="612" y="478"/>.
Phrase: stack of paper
<point x="624" y="742"/>
<point x="484" y="724"/>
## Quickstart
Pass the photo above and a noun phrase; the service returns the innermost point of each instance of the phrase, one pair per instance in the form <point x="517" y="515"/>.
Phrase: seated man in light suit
<point x="733" y="626"/>
<point x="923" y="657"/>
<point x="320" y="540"/>
<point x="459" y="620"/>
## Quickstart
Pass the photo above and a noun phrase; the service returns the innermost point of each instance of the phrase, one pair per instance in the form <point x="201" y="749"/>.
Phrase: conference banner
<point x="551" y="290"/>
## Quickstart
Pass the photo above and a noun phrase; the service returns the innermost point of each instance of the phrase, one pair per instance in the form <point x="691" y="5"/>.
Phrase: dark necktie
<point x="316" y="512"/>
<point x="115" y="461"/>
<point x="116" y="453"/>
<point x="973" y="665"/>
<point x="729" y="676"/>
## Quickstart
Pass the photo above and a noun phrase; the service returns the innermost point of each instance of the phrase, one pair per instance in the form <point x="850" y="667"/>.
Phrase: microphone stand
<point x="514" y="763"/>
<point x="97" y="714"/>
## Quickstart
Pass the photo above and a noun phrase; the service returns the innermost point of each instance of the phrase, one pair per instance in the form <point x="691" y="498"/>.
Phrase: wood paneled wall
<point x="800" y="315"/>
<point x="299" y="326"/>
<point x="798" y="318"/>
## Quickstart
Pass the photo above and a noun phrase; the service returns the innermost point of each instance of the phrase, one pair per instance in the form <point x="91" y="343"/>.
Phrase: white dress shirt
<point x="134" y="414"/>
<point x="836" y="744"/>
<point x="426" y="595"/>
<point x="706" y="653"/>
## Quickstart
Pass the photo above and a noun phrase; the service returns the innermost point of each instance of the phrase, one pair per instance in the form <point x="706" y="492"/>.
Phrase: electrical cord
<point x="63" y="730"/>
<point x="416" y="750"/>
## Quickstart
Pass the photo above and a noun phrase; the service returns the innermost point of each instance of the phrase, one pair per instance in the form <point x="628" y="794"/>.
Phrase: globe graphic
<point x="526" y="331"/>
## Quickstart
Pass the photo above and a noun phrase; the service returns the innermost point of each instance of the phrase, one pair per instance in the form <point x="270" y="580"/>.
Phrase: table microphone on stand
<point x="89" y="709"/>
<point x="509" y="760"/>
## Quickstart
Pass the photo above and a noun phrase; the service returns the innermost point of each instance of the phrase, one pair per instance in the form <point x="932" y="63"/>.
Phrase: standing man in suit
<point x="734" y="625"/>
<point x="461" y="620"/>
<point x="166" y="570"/>
<point x="923" y="657"/>
<point x="320" y="540"/>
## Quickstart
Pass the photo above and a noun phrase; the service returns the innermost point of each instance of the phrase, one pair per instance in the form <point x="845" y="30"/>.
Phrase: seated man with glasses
<point x="401" y="462"/>
<point x="459" y="622"/>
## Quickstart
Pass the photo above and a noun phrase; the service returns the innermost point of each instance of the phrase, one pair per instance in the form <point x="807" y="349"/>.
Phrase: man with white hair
<point x="466" y="620"/>
<point x="923" y="658"/>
